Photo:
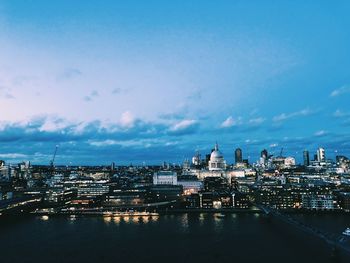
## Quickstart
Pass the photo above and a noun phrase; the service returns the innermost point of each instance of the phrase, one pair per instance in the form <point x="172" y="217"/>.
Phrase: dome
<point x="216" y="155"/>
<point x="217" y="161"/>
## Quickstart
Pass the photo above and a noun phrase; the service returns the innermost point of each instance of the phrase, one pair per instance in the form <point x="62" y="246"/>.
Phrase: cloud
<point x="8" y="96"/>
<point x="6" y="93"/>
<point x="320" y="133"/>
<point x="342" y="90"/>
<point x="230" y="122"/>
<point x="118" y="90"/>
<point x="127" y="120"/>
<point x="93" y="94"/>
<point x="68" y="73"/>
<point x="184" y="127"/>
<point x="256" y="121"/>
<point x="107" y="142"/>
<point x="13" y="156"/>
<point x="285" y="116"/>
<point x="340" y="114"/>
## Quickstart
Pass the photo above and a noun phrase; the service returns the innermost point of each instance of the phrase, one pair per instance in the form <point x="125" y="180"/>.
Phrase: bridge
<point x="18" y="205"/>
<point x="340" y="242"/>
<point x="102" y="210"/>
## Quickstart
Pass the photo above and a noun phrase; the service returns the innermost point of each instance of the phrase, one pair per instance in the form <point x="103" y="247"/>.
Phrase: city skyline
<point x="153" y="82"/>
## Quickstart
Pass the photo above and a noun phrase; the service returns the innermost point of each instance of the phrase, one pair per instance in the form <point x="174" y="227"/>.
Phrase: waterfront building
<point x="125" y="197"/>
<point x="318" y="202"/>
<point x="190" y="185"/>
<point x="59" y="196"/>
<point x="165" y="177"/>
<point x="164" y="192"/>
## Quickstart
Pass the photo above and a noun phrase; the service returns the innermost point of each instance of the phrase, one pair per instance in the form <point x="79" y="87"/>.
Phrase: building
<point x="319" y="202"/>
<point x="289" y="162"/>
<point x="264" y="154"/>
<point x="321" y="156"/>
<point x="238" y="156"/>
<point x="217" y="161"/>
<point x="165" y="177"/>
<point x="190" y="186"/>
<point x="196" y="160"/>
<point x="306" y="158"/>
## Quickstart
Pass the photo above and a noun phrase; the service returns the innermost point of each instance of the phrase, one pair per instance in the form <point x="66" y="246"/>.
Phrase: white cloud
<point x="339" y="114"/>
<point x="320" y="133"/>
<point x="230" y="122"/>
<point x="342" y="90"/>
<point x="183" y="125"/>
<point x="256" y="121"/>
<point x="13" y="156"/>
<point x="104" y="143"/>
<point x="52" y="124"/>
<point x="285" y="116"/>
<point x="127" y="120"/>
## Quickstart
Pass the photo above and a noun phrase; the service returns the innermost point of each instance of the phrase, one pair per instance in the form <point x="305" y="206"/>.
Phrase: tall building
<point x="238" y="155"/>
<point x="321" y="155"/>
<point x="306" y="157"/>
<point x="264" y="154"/>
<point x="196" y="160"/>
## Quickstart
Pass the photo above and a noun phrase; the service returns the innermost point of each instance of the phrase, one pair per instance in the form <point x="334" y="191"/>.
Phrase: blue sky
<point x="153" y="81"/>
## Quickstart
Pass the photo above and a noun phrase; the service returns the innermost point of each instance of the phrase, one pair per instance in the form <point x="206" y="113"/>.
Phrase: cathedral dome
<point x="217" y="161"/>
<point x="216" y="154"/>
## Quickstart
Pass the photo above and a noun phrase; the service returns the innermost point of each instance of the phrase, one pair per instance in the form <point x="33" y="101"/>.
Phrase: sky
<point x="152" y="81"/>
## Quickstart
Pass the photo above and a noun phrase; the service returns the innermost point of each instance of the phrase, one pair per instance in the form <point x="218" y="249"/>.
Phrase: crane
<point x="281" y="152"/>
<point x="52" y="162"/>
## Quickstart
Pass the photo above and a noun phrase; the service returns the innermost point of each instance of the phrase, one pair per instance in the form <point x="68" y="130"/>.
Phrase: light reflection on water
<point x="201" y="219"/>
<point x="219" y="239"/>
<point x="44" y="218"/>
<point x="154" y="218"/>
<point x="130" y="219"/>
<point x="184" y="222"/>
<point x="116" y="220"/>
<point x="218" y="222"/>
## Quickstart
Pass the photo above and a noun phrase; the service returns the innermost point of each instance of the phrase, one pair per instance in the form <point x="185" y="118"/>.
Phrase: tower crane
<point x="52" y="162"/>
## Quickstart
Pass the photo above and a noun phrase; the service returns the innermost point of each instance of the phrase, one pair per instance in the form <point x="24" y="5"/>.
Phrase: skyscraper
<point x="306" y="158"/>
<point x="321" y="155"/>
<point x="238" y="155"/>
<point x="264" y="154"/>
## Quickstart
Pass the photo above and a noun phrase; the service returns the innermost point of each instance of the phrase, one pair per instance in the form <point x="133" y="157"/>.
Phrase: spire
<point x="216" y="146"/>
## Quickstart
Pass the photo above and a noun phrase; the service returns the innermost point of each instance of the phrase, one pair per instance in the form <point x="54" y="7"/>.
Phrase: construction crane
<point x="52" y="162"/>
<point x="281" y="152"/>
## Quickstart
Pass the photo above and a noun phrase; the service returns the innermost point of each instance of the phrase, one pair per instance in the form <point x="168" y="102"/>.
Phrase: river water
<point x="166" y="238"/>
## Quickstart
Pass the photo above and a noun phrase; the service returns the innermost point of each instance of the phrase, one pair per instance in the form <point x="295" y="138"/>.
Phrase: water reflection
<point x="145" y="219"/>
<point x="130" y="219"/>
<point x="116" y="220"/>
<point x="184" y="222"/>
<point x="107" y="219"/>
<point x="154" y="218"/>
<point x="45" y="218"/>
<point x="218" y="221"/>
<point x="201" y="219"/>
